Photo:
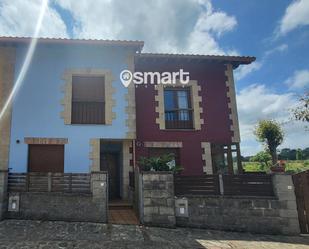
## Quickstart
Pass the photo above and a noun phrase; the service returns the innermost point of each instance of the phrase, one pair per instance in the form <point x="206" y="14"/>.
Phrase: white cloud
<point x="280" y="48"/>
<point x="19" y="17"/>
<point x="165" y="26"/>
<point x="257" y="102"/>
<point x="215" y="22"/>
<point x="296" y="15"/>
<point x="245" y="70"/>
<point x="299" y="80"/>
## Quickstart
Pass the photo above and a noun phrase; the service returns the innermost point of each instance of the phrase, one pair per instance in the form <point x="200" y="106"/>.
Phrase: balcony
<point x="179" y="119"/>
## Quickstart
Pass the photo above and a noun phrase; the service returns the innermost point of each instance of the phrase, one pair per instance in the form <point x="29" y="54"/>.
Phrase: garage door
<point x="46" y="158"/>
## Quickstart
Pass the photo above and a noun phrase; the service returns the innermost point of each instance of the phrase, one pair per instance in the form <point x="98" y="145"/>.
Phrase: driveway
<point x="47" y="234"/>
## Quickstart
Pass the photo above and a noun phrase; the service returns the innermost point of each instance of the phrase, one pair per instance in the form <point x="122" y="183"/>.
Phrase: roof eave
<point x="138" y="45"/>
<point x="234" y="60"/>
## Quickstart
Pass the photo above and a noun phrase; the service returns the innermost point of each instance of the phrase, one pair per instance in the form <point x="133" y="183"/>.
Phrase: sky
<point x="275" y="32"/>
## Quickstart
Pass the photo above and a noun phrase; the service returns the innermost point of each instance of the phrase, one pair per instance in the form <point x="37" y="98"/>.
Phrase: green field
<point x="291" y="166"/>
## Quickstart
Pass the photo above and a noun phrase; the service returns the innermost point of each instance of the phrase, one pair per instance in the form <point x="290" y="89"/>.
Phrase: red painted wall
<point x="211" y="77"/>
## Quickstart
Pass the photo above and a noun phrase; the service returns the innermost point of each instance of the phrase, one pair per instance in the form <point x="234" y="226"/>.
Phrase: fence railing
<point x="179" y="119"/>
<point x="248" y="185"/>
<point x="49" y="182"/>
<point x="197" y="185"/>
<point x="229" y="185"/>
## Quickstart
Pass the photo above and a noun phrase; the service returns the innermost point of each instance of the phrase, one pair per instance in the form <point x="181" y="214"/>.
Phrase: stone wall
<point x="65" y="206"/>
<point x="157" y="204"/>
<point x="276" y="215"/>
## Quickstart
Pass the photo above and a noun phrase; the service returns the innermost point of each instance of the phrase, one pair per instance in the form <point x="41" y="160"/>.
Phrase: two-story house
<point x="71" y="113"/>
<point x="196" y="122"/>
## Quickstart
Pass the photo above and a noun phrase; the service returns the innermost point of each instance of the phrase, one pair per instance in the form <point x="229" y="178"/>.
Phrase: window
<point x="226" y="158"/>
<point x="155" y="152"/>
<point x="88" y="100"/>
<point x="46" y="158"/>
<point x="178" y="111"/>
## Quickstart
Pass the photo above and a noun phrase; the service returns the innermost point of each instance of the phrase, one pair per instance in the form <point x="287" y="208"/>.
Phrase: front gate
<point x="301" y="183"/>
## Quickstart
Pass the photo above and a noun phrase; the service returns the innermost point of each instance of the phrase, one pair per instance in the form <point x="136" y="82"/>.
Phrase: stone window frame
<point x="161" y="144"/>
<point x="130" y="109"/>
<point x="45" y="140"/>
<point x="165" y="145"/>
<point x="94" y="154"/>
<point x="110" y="90"/>
<point x="196" y="102"/>
<point x="231" y="95"/>
<point x="207" y="158"/>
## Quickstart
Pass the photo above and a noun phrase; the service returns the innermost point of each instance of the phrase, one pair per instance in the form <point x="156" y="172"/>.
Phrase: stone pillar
<point x="99" y="188"/>
<point x="157" y="199"/>
<point x="284" y="191"/>
<point x="3" y="192"/>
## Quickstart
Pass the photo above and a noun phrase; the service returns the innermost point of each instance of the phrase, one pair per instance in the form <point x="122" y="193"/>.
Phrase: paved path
<point x="36" y="234"/>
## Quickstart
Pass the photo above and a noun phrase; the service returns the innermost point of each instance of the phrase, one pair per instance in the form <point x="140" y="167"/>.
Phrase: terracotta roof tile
<point x="227" y="58"/>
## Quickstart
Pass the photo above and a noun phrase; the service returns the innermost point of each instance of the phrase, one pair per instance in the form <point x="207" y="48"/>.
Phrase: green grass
<point x="291" y="166"/>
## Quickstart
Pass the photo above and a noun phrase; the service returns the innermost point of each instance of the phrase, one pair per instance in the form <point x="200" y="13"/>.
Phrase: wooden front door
<point x="109" y="163"/>
<point x="301" y="183"/>
<point x="46" y="158"/>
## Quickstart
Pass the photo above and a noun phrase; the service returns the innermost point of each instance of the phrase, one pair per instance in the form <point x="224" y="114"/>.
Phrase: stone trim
<point x="110" y="90"/>
<point x="206" y="157"/>
<point x="39" y="140"/>
<point x="7" y="67"/>
<point x="130" y="109"/>
<point x="196" y="101"/>
<point x="126" y="163"/>
<point x="163" y="144"/>
<point x="94" y="154"/>
<point x="232" y="103"/>
<point x="159" y="99"/>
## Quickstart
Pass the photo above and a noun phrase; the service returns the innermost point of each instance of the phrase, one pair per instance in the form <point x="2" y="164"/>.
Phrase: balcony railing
<point x="179" y="119"/>
<point x="88" y="112"/>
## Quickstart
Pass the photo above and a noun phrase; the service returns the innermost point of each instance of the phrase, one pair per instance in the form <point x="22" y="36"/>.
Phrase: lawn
<point x="291" y="166"/>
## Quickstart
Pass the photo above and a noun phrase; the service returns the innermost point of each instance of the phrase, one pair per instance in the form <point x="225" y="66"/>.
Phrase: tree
<point x="299" y="154"/>
<point x="292" y="154"/>
<point x="302" y="111"/>
<point x="284" y="154"/>
<point x="271" y="134"/>
<point x="263" y="157"/>
<point x="305" y="153"/>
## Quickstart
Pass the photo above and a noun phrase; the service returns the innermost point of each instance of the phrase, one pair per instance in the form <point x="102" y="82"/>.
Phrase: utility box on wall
<point x="181" y="207"/>
<point x="13" y="203"/>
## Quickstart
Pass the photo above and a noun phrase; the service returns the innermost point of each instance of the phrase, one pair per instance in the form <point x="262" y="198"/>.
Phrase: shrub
<point x="159" y="163"/>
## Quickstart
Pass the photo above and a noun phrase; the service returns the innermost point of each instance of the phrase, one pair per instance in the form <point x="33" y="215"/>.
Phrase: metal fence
<point x="228" y="185"/>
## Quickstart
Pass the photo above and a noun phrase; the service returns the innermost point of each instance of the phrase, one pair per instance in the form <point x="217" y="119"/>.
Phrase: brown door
<point x="301" y="184"/>
<point x="46" y="158"/>
<point x="109" y="163"/>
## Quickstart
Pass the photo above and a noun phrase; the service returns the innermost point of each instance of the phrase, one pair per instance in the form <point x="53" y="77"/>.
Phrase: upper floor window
<point x="88" y="100"/>
<point x="178" y="108"/>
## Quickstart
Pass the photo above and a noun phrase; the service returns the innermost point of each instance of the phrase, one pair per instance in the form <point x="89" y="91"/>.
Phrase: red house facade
<point x="196" y="122"/>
